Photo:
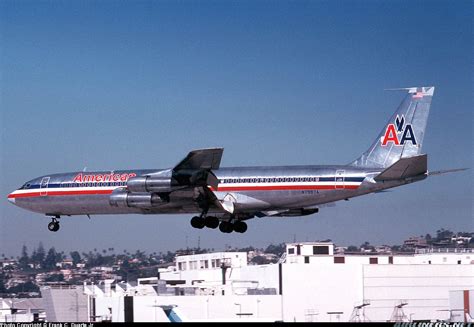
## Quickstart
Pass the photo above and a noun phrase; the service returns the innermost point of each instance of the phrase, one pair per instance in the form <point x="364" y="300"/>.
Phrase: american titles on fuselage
<point x="87" y="178"/>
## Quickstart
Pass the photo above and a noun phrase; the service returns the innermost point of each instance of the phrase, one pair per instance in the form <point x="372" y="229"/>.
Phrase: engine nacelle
<point x="298" y="212"/>
<point x="123" y="199"/>
<point x="158" y="184"/>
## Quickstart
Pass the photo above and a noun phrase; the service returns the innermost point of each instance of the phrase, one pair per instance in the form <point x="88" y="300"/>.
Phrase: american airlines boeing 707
<point x="227" y="197"/>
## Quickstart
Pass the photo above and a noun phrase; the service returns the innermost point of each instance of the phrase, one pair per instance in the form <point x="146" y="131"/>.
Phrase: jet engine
<point x="157" y="184"/>
<point x="122" y="199"/>
<point x="167" y="181"/>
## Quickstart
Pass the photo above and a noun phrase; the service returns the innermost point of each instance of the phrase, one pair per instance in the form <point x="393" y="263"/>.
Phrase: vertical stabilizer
<point x="403" y="134"/>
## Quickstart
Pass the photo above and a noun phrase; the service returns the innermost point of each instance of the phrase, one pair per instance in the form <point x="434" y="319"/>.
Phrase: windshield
<point x="25" y="186"/>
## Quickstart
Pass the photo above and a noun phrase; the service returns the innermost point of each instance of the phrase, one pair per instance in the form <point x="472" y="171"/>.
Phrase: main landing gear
<point x="212" y="222"/>
<point x="53" y="226"/>
<point x="228" y="227"/>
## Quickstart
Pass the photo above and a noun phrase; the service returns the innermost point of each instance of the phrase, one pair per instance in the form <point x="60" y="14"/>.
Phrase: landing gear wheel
<point x="197" y="222"/>
<point x="240" y="227"/>
<point x="211" y="222"/>
<point x="226" y="227"/>
<point x="53" y="226"/>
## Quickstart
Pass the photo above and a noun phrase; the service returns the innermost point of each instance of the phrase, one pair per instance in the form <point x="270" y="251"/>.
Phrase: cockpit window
<point x="25" y="186"/>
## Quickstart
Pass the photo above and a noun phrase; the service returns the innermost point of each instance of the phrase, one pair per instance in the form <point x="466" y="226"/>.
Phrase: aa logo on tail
<point x="398" y="133"/>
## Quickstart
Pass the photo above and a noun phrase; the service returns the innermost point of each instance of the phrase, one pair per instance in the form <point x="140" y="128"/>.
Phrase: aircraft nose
<point x="11" y="198"/>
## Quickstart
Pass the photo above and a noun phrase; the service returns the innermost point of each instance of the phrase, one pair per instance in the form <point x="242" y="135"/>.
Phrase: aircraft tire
<point x="53" y="226"/>
<point x="211" y="222"/>
<point x="197" y="222"/>
<point x="226" y="227"/>
<point x="240" y="227"/>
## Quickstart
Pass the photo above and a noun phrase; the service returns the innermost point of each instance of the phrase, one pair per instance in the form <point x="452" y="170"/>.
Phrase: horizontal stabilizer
<point x="404" y="168"/>
<point x="439" y="172"/>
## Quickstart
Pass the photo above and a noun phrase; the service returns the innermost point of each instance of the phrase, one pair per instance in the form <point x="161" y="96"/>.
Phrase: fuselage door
<point x="339" y="179"/>
<point x="44" y="186"/>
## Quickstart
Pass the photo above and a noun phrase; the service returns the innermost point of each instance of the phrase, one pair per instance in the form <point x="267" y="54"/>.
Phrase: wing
<point x="206" y="159"/>
<point x="194" y="172"/>
<point x="196" y="168"/>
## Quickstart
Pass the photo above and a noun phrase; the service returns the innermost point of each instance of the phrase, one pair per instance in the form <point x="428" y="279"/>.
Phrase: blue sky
<point x="138" y="84"/>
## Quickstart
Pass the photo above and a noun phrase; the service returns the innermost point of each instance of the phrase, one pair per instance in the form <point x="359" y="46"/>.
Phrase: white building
<point x="310" y="283"/>
<point x="22" y="310"/>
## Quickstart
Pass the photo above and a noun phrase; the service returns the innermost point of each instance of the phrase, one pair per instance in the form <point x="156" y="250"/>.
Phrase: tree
<point x="24" y="287"/>
<point x="76" y="258"/>
<point x="51" y="259"/>
<point x="352" y="248"/>
<point x="55" y="278"/>
<point x="428" y="238"/>
<point x="2" y="285"/>
<point x="39" y="255"/>
<point x="259" y="260"/>
<point x="24" y="259"/>
<point x="276" y="249"/>
<point x="168" y="257"/>
<point x="443" y="234"/>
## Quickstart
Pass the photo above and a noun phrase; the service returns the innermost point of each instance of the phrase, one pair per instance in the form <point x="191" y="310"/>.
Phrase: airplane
<point x="227" y="197"/>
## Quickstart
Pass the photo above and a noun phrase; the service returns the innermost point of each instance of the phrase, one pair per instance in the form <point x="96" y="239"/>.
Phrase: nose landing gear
<point x="53" y="226"/>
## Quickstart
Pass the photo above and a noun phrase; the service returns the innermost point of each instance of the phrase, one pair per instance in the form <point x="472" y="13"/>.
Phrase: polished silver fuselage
<point x="254" y="189"/>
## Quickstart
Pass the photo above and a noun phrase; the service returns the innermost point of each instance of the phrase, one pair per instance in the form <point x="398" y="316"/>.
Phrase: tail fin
<point x="402" y="136"/>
